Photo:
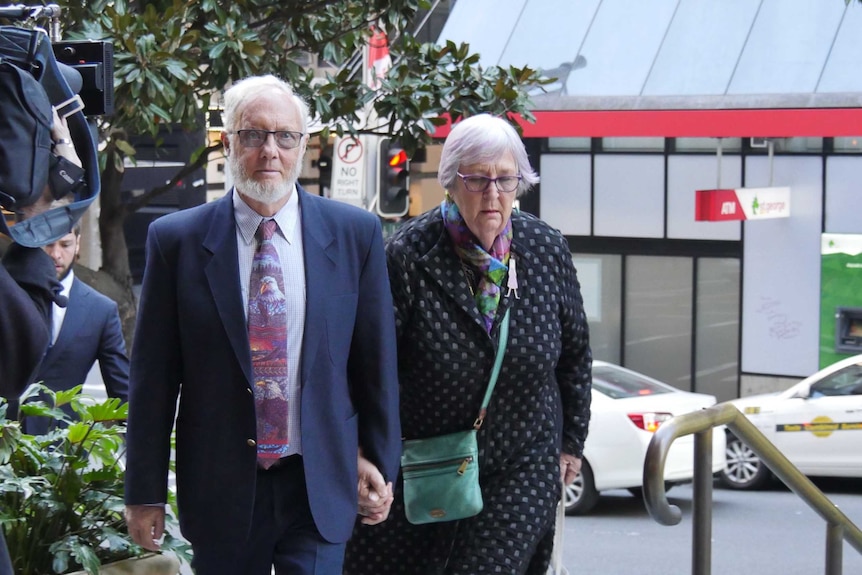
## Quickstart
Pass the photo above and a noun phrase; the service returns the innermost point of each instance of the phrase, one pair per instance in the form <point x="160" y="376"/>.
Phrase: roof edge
<point x="556" y="102"/>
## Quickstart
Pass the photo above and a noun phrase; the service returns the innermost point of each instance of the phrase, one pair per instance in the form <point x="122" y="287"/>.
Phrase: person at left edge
<point x="87" y="330"/>
<point x="28" y="291"/>
<point x="192" y="342"/>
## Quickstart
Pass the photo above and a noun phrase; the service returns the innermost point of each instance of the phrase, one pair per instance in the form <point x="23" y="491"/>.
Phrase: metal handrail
<point x="701" y="423"/>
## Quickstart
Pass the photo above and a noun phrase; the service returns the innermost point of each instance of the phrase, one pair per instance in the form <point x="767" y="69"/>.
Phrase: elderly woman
<point x="454" y="272"/>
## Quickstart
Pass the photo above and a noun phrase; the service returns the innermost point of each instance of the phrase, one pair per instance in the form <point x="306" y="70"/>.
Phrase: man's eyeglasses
<point x="476" y="183"/>
<point x="284" y="139"/>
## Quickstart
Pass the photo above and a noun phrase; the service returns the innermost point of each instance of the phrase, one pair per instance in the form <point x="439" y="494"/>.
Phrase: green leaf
<point x="78" y="432"/>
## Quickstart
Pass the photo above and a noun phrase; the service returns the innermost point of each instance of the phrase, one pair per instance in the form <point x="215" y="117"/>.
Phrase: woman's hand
<point x="570" y="466"/>
<point x="375" y="495"/>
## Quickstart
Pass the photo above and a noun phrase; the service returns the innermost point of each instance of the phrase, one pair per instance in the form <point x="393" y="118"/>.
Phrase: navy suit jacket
<point x="192" y="342"/>
<point x="91" y="331"/>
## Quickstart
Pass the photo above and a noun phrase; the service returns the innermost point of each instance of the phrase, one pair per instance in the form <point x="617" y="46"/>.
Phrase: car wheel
<point x="744" y="469"/>
<point x="581" y="496"/>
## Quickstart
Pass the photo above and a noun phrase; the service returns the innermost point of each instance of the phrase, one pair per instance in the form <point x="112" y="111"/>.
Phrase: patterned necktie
<point x="267" y="335"/>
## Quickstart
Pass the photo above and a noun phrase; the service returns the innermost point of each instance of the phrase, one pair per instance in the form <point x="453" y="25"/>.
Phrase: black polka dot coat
<point x="541" y="402"/>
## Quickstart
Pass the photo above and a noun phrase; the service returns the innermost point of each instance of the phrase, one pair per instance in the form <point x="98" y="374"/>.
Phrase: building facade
<point x="656" y="100"/>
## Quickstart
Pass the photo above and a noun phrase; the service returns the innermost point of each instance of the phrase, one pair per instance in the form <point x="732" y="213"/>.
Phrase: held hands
<point x="375" y="495"/>
<point x="146" y="525"/>
<point x="570" y="466"/>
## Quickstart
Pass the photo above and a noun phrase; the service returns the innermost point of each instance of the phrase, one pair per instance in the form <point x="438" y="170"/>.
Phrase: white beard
<point x="264" y="192"/>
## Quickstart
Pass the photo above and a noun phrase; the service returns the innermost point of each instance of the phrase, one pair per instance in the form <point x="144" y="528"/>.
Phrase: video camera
<point x="93" y="59"/>
<point x="36" y="75"/>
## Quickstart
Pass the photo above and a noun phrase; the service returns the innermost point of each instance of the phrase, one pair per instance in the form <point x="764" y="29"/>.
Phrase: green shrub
<point x="61" y="494"/>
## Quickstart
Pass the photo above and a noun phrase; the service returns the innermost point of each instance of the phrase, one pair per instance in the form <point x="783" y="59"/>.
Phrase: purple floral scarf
<point x="492" y="266"/>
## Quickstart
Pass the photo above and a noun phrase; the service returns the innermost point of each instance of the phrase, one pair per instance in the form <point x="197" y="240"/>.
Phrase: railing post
<point x="700" y="423"/>
<point x="834" y="544"/>
<point x="702" y="504"/>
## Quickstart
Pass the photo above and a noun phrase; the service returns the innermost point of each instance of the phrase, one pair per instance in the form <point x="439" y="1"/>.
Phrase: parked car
<point x="817" y="424"/>
<point x="627" y="408"/>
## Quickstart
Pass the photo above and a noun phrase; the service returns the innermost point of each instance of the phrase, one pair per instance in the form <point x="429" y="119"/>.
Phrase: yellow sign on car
<point x="820" y="426"/>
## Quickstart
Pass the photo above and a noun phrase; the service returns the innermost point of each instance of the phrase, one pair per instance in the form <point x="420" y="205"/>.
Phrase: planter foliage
<point x="61" y="494"/>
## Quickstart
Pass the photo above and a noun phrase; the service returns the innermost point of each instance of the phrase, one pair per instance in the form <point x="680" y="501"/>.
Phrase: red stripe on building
<point x="761" y="123"/>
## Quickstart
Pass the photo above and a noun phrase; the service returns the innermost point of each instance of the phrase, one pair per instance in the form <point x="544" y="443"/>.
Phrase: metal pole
<point x="834" y="543"/>
<point x="771" y="148"/>
<point x="701" y="561"/>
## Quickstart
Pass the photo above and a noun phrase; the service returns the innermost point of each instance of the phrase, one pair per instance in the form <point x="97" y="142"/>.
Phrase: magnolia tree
<point x="172" y="56"/>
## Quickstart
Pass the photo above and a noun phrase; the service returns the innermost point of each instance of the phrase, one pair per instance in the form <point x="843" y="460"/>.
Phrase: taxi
<point x="816" y="424"/>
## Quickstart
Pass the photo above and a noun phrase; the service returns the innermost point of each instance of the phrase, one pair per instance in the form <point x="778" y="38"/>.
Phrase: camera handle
<point x="22" y="12"/>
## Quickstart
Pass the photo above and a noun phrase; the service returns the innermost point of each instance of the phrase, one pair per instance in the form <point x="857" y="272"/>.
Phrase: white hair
<point x="236" y="96"/>
<point x="483" y="139"/>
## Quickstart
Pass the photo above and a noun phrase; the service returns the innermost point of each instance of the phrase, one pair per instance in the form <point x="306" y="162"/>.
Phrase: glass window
<point x="561" y="25"/>
<point x="717" y="329"/>
<point x="787" y="48"/>
<point x="633" y="144"/>
<point x="841" y="73"/>
<point x="699" y="53"/>
<point x="687" y="173"/>
<point x="600" y="277"/>
<point x="848" y="381"/>
<point x="570" y="144"/>
<point x="658" y="322"/>
<point x="618" y="383"/>
<point x="629" y="195"/>
<point x="620" y="47"/>
<point x="566" y="199"/>
<point x="848" y="144"/>
<point x="707" y="144"/>
<point x="486" y="25"/>
<point x="799" y="145"/>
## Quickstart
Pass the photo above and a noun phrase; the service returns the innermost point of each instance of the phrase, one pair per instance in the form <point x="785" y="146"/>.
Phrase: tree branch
<point x="147" y="197"/>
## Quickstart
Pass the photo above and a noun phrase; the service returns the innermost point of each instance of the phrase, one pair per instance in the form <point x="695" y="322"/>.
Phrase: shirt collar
<point x="67" y="283"/>
<point x="248" y="220"/>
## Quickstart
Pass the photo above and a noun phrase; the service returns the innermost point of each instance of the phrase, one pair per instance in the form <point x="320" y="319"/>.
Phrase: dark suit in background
<point x="91" y="332"/>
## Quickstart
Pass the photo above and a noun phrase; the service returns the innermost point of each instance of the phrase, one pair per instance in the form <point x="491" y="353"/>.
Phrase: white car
<point x="627" y="408"/>
<point x="817" y="424"/>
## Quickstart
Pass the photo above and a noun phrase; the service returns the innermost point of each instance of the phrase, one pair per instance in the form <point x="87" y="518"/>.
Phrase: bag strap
<point x="498" y="361"/>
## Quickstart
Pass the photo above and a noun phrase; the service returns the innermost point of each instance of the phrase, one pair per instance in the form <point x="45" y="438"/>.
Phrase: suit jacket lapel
<point x="319" y="244"/>
<point x="77" y="313"/>
<point x="224" y="283"/>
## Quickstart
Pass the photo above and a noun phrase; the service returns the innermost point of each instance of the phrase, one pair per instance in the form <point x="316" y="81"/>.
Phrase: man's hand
<point x="62" y="147"/>
<point x="570" y="466"/>
<point x="375" y="495"/>
<point x="146" y="525"/>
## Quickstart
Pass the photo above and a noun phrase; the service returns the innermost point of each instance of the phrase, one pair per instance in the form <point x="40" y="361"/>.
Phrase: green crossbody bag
<point x="441" y="474"/>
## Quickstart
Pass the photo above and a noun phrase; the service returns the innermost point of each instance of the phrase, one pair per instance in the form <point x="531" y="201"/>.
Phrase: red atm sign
<point x="741" y="204"/>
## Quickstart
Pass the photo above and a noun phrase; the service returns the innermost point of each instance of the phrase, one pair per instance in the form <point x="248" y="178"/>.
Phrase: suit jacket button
<point x="251" y="442"/>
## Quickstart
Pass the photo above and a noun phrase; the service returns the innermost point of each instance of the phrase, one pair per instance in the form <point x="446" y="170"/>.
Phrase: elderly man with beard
<point x="275" y="399"/>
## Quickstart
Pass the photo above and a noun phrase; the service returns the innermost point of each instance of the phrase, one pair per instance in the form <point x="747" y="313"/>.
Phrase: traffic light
<point x="393" y="179"/>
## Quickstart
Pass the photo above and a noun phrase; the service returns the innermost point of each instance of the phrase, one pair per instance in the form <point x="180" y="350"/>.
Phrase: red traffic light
<point x="398" y="157"/>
